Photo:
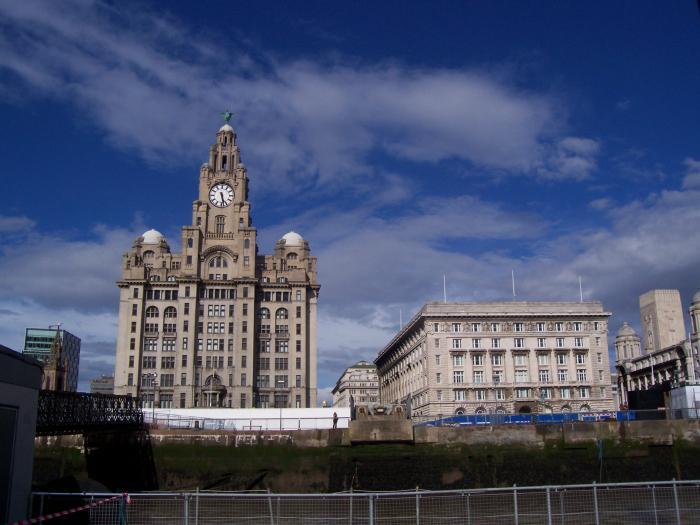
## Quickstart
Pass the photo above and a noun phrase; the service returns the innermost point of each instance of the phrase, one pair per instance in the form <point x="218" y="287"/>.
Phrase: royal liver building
<point x="217" y="324"/>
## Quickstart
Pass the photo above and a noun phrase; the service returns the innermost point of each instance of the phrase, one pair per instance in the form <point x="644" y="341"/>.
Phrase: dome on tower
<point x="696" y="297"/>
<point x="625" y="330"/>
<point x="292" y="239"/>
<point x="226" y="127"/>
<point x="152" y="237"/>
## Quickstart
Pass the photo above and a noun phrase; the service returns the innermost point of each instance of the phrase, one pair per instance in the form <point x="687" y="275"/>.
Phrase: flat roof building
<point x="500" y="357"/>
<point x="359" y="382"/>
<point x="59" y="353"/>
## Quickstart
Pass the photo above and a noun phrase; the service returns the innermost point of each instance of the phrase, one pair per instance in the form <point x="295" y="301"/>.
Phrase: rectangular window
<point x="478" y="376"/>
<point x="500" y="394"/>
<point x="596" y="325"/>
<point x="476" y="327"/>
<point x="519" y="342"/>
<point x="298" y="331"/>
<point x="578" y="326"/>
<point x="581" y="374"/>
<point x="497" y="359"/>
<point x="520" y="359"/>
<point x="244" y="324"/>
<point x="132" y="344"/>
<point x="560" y="342"/>
<point x="521" y="376"/>
<point x="436" y="327"/>
<point x="544" y="376"/>
<point x="517" y="327"/>
<point x="436" y="343"/>
<point x="130" y="380"/>
<point x="562" y="375"/>
<point x="478" y="360"/>
<point x="495" y="343"/>
<point x="584" y="392"/>
<point x="183" y="379"/>
<point x="495" y="327"/>
<point x="522" y="393"/>
<point x="541" y="342"/>
<point x="281" y="363"/>
<point x="134" y="309"/>
<point x="580" y="359"/>
<point x="458" y="360"/>
<point x="456" y="343"/>
<point x="540" y="327"/>
<point x="298" y="381"/>
<point x="298" y="346"/>
<point x="460" y="395"/>
<point x="497" y="376"/>
<point x="298" y="363"/>
<point x="543" y="359"/>
<point x="565" y="393"/>
<point x="133" y="327"/>
<point x="439" y="395"/>
<point x="480" y="394"/>
<point x="599" y="357"/>
<point x="458" y="376"/>
<point x="545" y="393"/>
<point x="298" y="311"/>
<point x="558" y="327"/>
<point x="476" y="343"/>
<point x="578" y="342"/>
<point x="456" y="327"/>
<point x="184" y="360"/>
<point x="244" y="380"/>
<point x="438" y="378"/>
<point x="437" y="359"/>
<point x="131" y="361"/>
<point x="562" y="359"/>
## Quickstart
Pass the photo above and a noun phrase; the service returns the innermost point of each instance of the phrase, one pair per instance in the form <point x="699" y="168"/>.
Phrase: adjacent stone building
<point x="500" y="357"/>
<point x="59" y="353"/>
<point x="661" y="315"/>
<point x="218" y="324"/>
<point x="359" y="382"/>
<point x="659" y="368"/>
<point x="102" y="385"/>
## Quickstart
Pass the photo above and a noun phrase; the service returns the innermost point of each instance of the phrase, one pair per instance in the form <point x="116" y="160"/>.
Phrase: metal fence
<point x="659" y="503"/>
<point x="286" y="423"/>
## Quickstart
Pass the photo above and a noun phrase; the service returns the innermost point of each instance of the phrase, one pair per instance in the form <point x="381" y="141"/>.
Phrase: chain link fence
<point x="658" y="503"/>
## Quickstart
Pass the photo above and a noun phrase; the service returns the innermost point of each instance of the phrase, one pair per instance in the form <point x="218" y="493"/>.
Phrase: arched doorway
<point x="214" y="392"/>
<point x="460" y="411"/>
<point x="525" y="410"/>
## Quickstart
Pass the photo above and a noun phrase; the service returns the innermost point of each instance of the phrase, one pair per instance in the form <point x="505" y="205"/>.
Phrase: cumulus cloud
<point x="692" y="176"/>
<point x="155" y="87"/>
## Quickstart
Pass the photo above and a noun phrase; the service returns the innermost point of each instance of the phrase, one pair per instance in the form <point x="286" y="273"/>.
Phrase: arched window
<point x="170" y="312"/>
<point x="292" y="256"/>
<point x="154" y="278"/>
<point x="148" y="254"/>
<point x="585" y="408"/>
<point x="171" y="277"/>
<point x="190" y="242"/>
<point x="282" y="313"/>
<point x="220" y="223"/>
<point x="264" y="313"/>
<point x="566" y="408"/>
<point x="218" y="262"/>
<point x="459" y="412"/>
<point x="480" y="410"/>
<point x="152" y="311"/>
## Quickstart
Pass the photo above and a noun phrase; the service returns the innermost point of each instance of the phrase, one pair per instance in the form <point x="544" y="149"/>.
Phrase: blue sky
<point x="403" y="140"/>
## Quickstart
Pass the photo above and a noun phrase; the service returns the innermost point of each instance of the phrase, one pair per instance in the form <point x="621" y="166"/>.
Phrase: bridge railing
<point x="61" y="413"/>
<point x="669" y="502"/>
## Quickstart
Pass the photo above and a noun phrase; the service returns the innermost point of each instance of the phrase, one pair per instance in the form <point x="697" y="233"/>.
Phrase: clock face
<point x="221" y="195"/>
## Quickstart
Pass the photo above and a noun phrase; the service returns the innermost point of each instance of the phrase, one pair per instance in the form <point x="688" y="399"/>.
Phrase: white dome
<point x="152" y="237"/>
<point x="625" y="330"/>
<point x="293" y="239"/>
<point x="226" y="127"/>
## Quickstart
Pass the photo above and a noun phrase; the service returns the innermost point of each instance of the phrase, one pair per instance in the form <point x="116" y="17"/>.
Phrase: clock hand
<point x="221" y="194"/>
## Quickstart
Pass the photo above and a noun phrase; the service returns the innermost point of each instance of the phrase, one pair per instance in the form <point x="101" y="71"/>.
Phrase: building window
<point x="584" y="392"/>
<point x="134" y="309"/>
<point x="543" y="359"/>
<point x="596" y="325"/>
<point x="458" y="360"/>
<point x="480" y="394"/>
<point x="476" y="343"/>
<point x="436" y="327"/>
<point x="565" y="393"/>
<point x="478" y="376"/>
<point x="436" y="343"/>
<point x="522" y="393"/>
<point x="560" y="342"/>
<point x="517" y="327"/>
<point x="495" y="343"/>
<point x="558" y="327"/>
<point x="220" y="222"/>
<point x="298" y="381"/>
<point x="519" y="342"/>
<point x="581" y="374"/>
<point x="152" y="312"/>
<point x="500" y="394"/>
<point x="458" y="376"/>
<point x="520" y="359"/>
<point x="298" y="363"/>
<point x="476" y="327"/>
<point x="456" y="343"/>
<point x="439" y="395"/>
<point x="562" y="359"/>
<point x="545" y="393"/>
<point x="521" y="376"/>
<point x="577" y="326"/>
<point x="437" y="359"/>
<point x="540" y="327"/>
<point x="456" y="327"/>
<point x="131" y="361"/>
<point x="478" y="360"/>
<point x="497" y="376"/>
<point x="544" y="376"/>
<point x="495" y="327"/>
<point x="460" y="395"/>
<point x="244" y="380"/>
<point x="541" y="342"/>
<point x="130" y="380"/>
<point x="438" y="378"/>
<point x="580" y="359"/>
<point x="578" y="342"/>
<point x="562" y="375"/>
<point x="497" y="359"/>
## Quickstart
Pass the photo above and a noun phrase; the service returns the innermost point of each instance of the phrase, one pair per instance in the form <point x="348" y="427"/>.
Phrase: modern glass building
<point x="62" y="365"/>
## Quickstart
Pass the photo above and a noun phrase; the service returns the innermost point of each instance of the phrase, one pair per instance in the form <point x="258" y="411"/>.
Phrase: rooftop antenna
<point x="580" y="289"/>
<point x="444" y="288"/>
<point x="512" y="278"/>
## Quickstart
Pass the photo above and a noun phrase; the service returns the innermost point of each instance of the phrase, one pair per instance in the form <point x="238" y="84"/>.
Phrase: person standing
<point x="335" y="420"/>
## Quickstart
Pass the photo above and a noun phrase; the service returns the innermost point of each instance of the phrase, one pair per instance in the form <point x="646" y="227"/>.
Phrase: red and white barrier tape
<point x="58" y="514"/>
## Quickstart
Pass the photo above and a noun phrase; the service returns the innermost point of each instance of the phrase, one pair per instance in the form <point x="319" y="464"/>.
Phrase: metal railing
<point x="269" y="423"/>
<point x="670" y="502"/>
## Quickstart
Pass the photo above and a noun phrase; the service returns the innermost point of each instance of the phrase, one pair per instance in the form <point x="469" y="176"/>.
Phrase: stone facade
<point x="217" y="324"/>
<point x="662" y="319"/>
<point x="502" y="357"/>
<point x="665" y="367"/>
<point x="358" y="381"/>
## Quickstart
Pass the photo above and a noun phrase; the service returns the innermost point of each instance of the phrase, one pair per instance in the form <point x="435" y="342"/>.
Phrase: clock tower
<point x="218" y="325"/>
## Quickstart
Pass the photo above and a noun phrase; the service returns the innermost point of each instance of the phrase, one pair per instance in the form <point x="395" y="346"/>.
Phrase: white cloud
<point x="692" y="177"/>
<point x="602" y="203"/>
<point x="155" y="87"/>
